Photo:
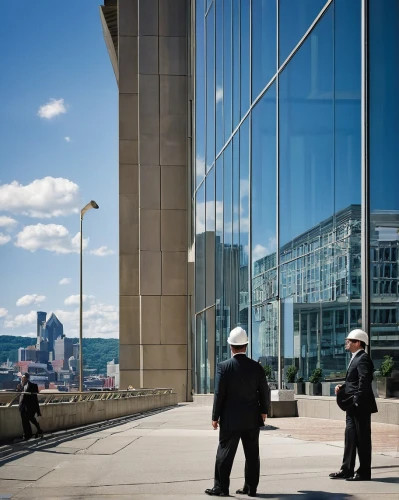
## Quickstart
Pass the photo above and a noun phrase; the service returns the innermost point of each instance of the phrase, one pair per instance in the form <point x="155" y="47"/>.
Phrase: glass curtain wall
<point x="279" y="182"/>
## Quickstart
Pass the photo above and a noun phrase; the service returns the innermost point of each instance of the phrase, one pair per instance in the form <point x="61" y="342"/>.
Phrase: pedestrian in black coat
<point x="241" y="404"/>
<point x="359" y="404"/>
<point x="29" y="407"/>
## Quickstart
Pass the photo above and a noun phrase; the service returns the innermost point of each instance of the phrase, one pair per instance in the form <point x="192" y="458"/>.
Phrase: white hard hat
<point x="238" y="336"/>
<point x="359" y="335"/>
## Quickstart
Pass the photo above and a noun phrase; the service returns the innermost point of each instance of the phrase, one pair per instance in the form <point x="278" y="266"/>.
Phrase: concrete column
<point x="153" y="82"/>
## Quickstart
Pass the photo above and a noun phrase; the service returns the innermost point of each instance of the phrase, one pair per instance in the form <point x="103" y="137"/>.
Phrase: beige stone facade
<point x="148" y="45"/>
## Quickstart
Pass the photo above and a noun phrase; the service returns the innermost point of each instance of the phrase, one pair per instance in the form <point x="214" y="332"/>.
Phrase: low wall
<point x="65" y="415"/>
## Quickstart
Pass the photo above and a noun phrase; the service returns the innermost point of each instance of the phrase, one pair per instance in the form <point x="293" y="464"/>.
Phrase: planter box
<point x="289" y="386"/>
<point x="313" y="389"/>
<point x="328" y="388"/>
<point x="385" y="387"/>
<point x="299" y="388"/>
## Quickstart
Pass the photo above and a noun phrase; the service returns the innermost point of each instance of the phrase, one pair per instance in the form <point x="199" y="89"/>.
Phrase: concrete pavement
<point x="171" y="454"/>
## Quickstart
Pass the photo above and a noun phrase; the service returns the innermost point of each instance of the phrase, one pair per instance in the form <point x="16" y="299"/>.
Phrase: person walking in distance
<point x="29" y="406"/>
<point x="359" y="377"/>
<point x="240" y="407"/>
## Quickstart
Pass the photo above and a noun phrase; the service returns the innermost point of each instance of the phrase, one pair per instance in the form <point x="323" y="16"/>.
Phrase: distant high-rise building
<point x="54" y="330"/>
<point x="40" y="325"/>
<point x="63" y="349"/>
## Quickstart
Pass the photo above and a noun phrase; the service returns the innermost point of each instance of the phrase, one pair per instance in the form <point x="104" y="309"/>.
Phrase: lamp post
<point x="90" y="205"/>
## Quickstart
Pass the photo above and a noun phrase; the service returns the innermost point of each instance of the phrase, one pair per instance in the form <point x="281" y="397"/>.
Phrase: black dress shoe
<point x="358" y="477"/>
<point x="246" y="491"/>
<point x="340" y="475"/>
<point x="216" y="492"/>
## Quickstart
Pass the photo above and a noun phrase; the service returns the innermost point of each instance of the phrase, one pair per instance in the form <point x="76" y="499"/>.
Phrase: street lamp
<point x="90" y="205"/>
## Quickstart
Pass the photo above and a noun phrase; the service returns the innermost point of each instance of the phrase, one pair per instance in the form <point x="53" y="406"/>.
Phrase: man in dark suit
<point x="359" y="377"/>
<point x="240" y="407"/>
<point x="29" y="406"/>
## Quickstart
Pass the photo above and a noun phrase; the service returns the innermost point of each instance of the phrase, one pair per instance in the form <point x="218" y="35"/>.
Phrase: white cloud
<point x="65" y="281"/>
<point x="260" y="251"/>
<point x="21" y="320"/>
<point x="47" y="197"/>
<point x="7" y="222"/>
<point x="102" y="252"/>
<point x="199" y="168"/>
<point x="3" y="312"/>
<point x="4" y="238"/>
<point x="53" y="108"/>
<point x="219" y="95"/>
<point x="29" y="300"/>
<point x="52" y="237"/>
<point x="67" y="139"/>
<point x="74" y="300"/>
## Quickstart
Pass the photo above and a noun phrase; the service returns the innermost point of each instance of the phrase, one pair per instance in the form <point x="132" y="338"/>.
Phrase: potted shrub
<point x="385" y="381"/>
<point x="313" y="387"/>
<point x="299" y="386"/>
<point x="268" y="371"/>
<point x="291" y="374"/>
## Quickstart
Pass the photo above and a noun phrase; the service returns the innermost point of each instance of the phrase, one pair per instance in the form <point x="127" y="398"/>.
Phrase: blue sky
<point x="58" y="150"/>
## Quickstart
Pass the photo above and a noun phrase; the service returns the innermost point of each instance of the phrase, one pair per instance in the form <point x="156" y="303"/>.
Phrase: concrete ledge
<point x="59" y="416"/>
<point x="326" y="407"/>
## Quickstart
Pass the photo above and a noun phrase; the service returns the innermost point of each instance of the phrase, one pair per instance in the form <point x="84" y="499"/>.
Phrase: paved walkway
<point x="171" y="454"/>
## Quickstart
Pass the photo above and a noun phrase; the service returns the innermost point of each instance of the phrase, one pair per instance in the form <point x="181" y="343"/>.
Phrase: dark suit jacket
<point x="28" y="403"/>
<point x="241" y="394"/>
<point x="358" y="382"/>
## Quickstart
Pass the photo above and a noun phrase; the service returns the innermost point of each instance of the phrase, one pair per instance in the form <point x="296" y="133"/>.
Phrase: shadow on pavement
<point x="391" y="480"/>
<point x="307" y="495"/>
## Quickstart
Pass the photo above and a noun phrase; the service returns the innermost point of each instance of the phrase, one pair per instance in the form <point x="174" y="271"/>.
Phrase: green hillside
<point x="96" y="352"/>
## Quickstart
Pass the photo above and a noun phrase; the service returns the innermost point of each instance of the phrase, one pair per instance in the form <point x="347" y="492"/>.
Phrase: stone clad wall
<point x="60" y="416"/>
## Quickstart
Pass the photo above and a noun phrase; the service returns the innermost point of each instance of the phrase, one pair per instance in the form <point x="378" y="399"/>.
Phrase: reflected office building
<point x="295" y="181"/>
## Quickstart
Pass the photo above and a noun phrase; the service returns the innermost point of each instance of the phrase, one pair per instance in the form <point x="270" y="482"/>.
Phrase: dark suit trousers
<point x="357" y="437"/>
<point x="228" y="443"/>
<point x="27" y="417"/>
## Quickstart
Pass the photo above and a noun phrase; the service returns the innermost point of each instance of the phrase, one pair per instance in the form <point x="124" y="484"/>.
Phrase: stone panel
<point x="149" y="104"/>
<point x="173" y="319"/>
<point x="129" y="357"/>
<point x="127" y="17"/>
<point x="174" y="273"/>
<point x="172" y="55"/>
<point x="150" y="230"/>
<point x="150" y="273"/>
<point x="148" y="55"/>
<point x="128" y="237"/>
<point x="128" y="152"/>
<point x="129" y="274"/>
<point x="174" y="230"/>
<point x="150" y="187"/>
<point x="128" y="179"/>
<point x="148" y="17"/>
<point x="128" y="64"/>
<point x="177" y="379"/>
<point x="149" y="149"/>
<point x="173" y="187"/>
<point x="173" y="95"/>
<point x="151" y="319"/>
<point x="129" y="377"/>
<point x="128" y="116"/>
<point x="129" y="208"/>
<point x="129" y="319"/>
<point x="173" y="145"/>
<point x="172" y="18"/>
<point x="164" y="357"/>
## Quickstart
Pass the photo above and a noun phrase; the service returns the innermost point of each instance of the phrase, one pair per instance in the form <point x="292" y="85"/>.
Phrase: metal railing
<point x="8" y="399"/>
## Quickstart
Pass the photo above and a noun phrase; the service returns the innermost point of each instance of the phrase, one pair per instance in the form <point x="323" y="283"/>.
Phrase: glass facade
<point x="295" y="170"/>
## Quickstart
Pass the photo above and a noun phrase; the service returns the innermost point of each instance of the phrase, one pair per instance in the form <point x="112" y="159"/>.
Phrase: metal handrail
<point x="8" y="399"/>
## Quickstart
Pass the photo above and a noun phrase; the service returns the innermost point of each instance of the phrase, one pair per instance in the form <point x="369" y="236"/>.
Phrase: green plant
<point x="268" y="371"/>
<point x="299" y="379"/>
<point x="316" y="376"/>
<point x="387" y="366"/>
<point x="291" y="373"/>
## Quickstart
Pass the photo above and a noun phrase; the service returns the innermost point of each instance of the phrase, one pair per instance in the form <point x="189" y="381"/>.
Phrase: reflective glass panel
<point x="228" y="246"/>
<point x="236" y="63"/>
<point x="219" y="75"/>
<point x="219" y="259"/>
<point x="295" y="17"/>
<point x="210" y="87"/>
<point x="200" y="248"/>
<point x="264" y="61"/>
<point x="210" y="238"/>
<point x="263" y="223"/>
<point x="210" y="334"/>
<point x="236" y="232"/>
<point x="199" y="92"/>
<point x="227" y="69"/>
<point x="384" y="177"/>
<point x="245" y="56"/>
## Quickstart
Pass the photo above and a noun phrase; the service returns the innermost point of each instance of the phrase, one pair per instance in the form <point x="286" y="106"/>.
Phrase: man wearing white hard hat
<point x="359" y="377"/>
<point x="240" y="407"/>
